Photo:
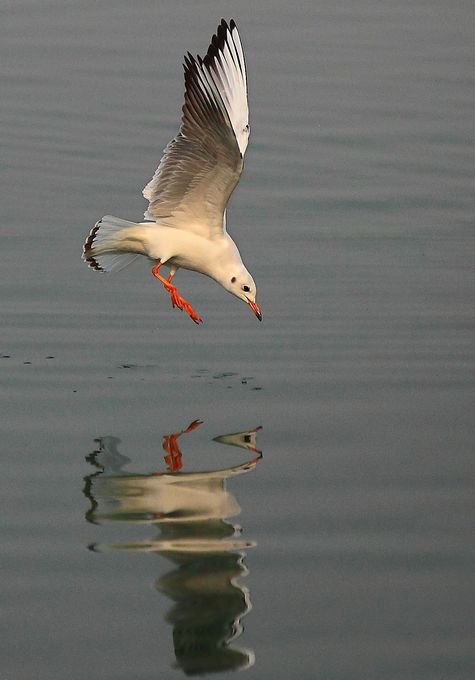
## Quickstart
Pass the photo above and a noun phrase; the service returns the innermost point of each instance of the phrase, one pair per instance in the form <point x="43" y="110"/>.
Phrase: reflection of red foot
<point x="170" y="445"/>
<point x="192" y="426"/>
<point x="174" y="459"/>
<point x="181" y="303"/>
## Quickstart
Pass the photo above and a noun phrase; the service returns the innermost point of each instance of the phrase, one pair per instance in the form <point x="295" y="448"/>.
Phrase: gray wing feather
<point x="202" y="164"/>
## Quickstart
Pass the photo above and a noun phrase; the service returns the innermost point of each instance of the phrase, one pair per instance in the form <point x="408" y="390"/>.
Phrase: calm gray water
<point x="352" y="555"/>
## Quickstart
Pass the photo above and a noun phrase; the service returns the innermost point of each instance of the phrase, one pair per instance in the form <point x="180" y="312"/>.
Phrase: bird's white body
<point x="188" y="194"/>
<point x="216" y="257"/>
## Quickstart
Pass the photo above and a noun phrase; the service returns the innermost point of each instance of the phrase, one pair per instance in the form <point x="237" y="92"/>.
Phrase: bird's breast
<point x="188" y="250"/>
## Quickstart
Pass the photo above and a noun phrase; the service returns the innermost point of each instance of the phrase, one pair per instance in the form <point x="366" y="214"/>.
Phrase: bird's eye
<point x="233" y="280"/>
<point x="246" y="289"/>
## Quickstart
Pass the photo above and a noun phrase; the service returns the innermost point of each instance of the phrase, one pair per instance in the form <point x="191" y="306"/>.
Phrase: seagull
<point x="185" y="223"/>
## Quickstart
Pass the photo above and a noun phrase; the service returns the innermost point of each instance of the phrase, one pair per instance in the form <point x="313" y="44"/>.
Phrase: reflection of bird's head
<point x="245" y="440"/>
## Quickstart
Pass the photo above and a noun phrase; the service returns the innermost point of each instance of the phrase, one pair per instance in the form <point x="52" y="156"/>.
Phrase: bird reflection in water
<point x="192" y="512"/>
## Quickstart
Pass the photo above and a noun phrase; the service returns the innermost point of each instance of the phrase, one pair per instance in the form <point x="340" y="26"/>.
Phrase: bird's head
<point x="241" y="284"/>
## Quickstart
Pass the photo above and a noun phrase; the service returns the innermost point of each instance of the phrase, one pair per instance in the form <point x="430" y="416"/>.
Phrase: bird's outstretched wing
<point x="202" y="164"/>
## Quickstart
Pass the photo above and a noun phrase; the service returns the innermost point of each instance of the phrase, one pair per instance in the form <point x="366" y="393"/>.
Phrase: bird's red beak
<point x="255" y="309"/>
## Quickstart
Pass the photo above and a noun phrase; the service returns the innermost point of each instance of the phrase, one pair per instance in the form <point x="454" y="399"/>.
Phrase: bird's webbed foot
<point x="176" y="299"/>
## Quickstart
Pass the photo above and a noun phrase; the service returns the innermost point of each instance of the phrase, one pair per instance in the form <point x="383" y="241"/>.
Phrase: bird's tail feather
<point x="105" y="245"/>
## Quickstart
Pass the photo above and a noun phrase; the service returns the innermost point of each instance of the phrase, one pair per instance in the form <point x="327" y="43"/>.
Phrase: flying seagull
<point x="186" y="218"/>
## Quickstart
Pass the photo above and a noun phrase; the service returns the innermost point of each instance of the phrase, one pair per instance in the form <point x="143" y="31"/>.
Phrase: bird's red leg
<point x="176" y="299"/>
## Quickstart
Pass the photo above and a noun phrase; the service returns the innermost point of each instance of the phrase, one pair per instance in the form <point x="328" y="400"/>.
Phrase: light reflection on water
<point x="192" y="512"/>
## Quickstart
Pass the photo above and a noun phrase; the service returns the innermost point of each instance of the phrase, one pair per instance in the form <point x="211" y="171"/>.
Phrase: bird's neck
<point x="226" y="261"/>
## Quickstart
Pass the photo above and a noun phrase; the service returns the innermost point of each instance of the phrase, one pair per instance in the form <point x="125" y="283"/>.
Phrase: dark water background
<point x="355" y="214"/>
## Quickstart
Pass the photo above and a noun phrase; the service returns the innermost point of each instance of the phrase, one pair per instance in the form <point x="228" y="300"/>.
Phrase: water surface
<point x="352" y="555"/>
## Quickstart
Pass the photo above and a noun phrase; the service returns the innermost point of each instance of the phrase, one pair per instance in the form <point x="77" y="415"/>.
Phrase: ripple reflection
<point x="191" y="511"/>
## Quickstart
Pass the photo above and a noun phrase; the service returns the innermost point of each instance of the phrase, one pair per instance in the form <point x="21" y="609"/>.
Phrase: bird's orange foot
<point x="181" y="303"/>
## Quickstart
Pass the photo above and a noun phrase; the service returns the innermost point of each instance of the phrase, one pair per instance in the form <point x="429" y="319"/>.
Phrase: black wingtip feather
<point x="218" y="41"/>
<point x="216" y="46"/>
<point x="87" y="257"/>
<point x="188" y="61"/>
<point x="94" y="264"/>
